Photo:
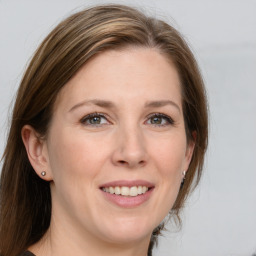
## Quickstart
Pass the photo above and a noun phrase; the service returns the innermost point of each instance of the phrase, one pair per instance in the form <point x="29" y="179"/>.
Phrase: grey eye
<point x="156" y="120"/>
<point x="159" y="120"/>
<point x="94" y="119"/>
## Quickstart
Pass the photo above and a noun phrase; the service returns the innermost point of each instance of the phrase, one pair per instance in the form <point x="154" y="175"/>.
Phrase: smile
<point x="126" y="191"/>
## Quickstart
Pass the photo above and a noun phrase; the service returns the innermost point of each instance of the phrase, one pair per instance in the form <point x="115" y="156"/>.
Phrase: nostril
<point x="132" y="162"/>
<point x="122" y="162"/>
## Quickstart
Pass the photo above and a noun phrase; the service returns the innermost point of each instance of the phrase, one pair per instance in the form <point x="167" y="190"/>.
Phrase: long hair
<point x="25" y="199"/>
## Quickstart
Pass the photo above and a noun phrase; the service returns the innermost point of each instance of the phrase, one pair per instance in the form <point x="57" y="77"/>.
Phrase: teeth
<point x="117" y="190"/>
<point x="133" y="191"/>
<point x="126" y="191"/>
<point x="111" y="190"/>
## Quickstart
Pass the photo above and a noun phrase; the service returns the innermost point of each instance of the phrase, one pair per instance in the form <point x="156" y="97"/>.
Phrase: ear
<point x="190" y="150"/>
<point x="37" y="152"/>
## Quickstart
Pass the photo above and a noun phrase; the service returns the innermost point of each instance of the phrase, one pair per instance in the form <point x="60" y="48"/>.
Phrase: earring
<point x="43" y="173"/>
<point x="183" y="180"/>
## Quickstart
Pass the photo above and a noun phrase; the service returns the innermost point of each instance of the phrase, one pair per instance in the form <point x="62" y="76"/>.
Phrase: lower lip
<point x="128" y="201"/>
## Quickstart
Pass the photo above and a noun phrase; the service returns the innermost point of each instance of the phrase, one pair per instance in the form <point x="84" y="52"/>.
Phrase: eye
<point x="94" y="119"/>
<point x="159" y="119"/>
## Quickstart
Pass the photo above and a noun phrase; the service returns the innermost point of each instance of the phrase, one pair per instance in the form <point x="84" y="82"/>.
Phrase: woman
<point x="108" y="133"/>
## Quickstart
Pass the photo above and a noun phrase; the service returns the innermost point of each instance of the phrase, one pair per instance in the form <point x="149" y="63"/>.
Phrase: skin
<point x="132" y="141"/>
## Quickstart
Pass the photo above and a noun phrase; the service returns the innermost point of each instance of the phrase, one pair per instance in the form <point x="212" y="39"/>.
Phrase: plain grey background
<point x="220" y="217"/>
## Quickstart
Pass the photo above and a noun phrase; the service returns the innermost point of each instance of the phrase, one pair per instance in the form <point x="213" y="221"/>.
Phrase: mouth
<point x="126" y="191"/>
<point x="127" y="194"/>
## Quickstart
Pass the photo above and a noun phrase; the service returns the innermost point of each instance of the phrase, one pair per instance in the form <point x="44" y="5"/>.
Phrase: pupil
<point x="95" y="120"/>
<point x="156" y="120"/>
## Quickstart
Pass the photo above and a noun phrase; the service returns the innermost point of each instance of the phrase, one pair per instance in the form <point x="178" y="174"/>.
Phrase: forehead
<point x="124" y="74"/>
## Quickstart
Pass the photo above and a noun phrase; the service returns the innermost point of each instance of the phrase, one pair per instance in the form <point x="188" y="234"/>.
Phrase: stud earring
<point x="43" y="173"/>
<point x="184" y="174"/>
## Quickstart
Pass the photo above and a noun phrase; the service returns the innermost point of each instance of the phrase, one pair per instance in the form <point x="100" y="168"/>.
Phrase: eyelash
<point x="168" y="119"/>
<point x="93" y="115"/>
<point x="86" y="119"/>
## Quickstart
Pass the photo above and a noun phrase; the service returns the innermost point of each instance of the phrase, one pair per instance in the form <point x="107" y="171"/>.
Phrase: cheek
<point x="169" y="155"/>
<point x="74" y="164"/>
<point x="72" y="158"/>
<point x="68" y="148"/>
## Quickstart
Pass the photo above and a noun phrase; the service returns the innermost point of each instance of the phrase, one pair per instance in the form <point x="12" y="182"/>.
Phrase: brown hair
<point x="25" y="198"/>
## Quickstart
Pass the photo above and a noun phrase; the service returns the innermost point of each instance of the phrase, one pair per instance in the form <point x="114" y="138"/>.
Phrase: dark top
<point x="27" y="253"/>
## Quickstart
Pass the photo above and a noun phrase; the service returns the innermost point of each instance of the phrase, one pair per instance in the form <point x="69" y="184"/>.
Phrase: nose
<point x="130" y="149"/>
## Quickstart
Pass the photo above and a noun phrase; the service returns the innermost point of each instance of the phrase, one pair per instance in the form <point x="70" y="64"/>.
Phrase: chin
<point x="127" y="230"/>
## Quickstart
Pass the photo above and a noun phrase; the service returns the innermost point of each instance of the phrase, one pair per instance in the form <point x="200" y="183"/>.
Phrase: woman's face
<point x="116" y="146"/>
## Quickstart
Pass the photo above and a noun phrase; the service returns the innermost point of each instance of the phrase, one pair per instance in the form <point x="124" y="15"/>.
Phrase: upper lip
<point x="127" y="183"/>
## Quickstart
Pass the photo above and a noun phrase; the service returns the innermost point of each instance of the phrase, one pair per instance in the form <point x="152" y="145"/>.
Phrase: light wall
<point x="220" y="217"/>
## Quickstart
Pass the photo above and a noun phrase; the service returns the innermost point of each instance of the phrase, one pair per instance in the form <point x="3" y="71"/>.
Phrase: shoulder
<point x="27" y="253"/>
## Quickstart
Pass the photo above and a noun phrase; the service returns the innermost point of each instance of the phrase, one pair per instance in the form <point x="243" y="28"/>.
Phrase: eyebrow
<point x="162" y="103"/>
<point x="109" y="104"/>
<point x="100" y="103"/>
